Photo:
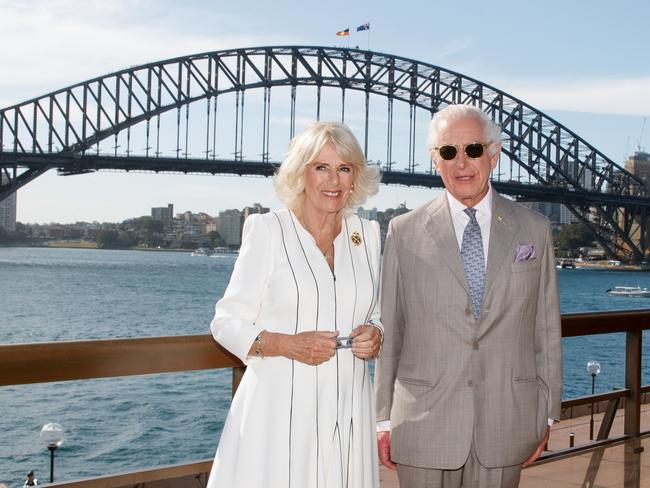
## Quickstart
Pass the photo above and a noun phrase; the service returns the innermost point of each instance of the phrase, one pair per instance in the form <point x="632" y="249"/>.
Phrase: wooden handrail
<point x="77" y="360"/>
<point x="80" y="360"/>
<point x="580" y="324"/>
<point x="137" y="478"/>
<point x="591" y="399"/>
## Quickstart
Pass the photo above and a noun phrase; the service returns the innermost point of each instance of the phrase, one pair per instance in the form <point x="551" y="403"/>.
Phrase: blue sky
<point x="584" y="63"/>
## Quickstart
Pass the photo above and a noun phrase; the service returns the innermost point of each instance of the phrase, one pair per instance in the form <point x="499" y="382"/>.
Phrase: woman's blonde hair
<point x="289" y="180"/>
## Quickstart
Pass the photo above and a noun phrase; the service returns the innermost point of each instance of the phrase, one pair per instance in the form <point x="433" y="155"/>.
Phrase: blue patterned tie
<point x="473" y="261"/>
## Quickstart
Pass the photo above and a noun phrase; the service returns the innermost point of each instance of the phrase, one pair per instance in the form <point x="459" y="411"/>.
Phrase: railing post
<point x="632" y="424"/>
<point x="237" y="375"/>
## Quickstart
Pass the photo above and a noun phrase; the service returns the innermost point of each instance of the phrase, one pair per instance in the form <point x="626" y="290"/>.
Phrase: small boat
<point x="629" y="291"/>
<point x="566" y="264"/>
<point x="202" y="251"/>
<point x="223" y="250"/>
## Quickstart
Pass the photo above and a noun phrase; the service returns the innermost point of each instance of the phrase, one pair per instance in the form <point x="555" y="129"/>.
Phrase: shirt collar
<point x="483" y="207"/>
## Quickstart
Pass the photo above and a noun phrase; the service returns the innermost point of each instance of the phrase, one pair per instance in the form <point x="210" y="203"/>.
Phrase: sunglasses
<point x="473" y="150"/>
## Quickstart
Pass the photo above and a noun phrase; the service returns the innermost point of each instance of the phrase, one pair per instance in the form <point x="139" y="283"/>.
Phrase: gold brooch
<point x="356" y="238"/>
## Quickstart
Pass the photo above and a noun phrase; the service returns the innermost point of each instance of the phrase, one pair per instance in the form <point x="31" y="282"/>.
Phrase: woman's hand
<point x="313" y="347"/>
<point x="366" y="341"/>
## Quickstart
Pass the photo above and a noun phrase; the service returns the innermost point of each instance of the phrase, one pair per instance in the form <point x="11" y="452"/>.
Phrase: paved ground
<point x="607" y="465"/>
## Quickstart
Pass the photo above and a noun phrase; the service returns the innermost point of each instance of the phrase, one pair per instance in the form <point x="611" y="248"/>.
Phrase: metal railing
<point x="80" y="360"/>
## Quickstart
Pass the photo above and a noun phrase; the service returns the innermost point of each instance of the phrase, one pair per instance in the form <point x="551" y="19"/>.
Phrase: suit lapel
<point x="441" y="232"/>
<point x="502" y="233"/>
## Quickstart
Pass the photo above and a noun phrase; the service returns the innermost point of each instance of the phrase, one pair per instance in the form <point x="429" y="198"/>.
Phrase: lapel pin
<point x="356" y="238"/>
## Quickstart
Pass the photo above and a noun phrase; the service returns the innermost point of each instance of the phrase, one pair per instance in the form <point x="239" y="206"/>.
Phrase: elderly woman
<point x="301" y="311"/>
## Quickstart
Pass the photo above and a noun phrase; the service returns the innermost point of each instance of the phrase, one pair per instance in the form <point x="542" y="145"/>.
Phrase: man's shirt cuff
<point x="383" y="425"/>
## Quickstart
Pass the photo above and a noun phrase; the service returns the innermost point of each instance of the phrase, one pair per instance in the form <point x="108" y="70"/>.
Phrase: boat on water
<point x="203" y="251"/>
<point x="629" y="291"/>
<point x="566" y="264"/>
<point x="224" y="250"/>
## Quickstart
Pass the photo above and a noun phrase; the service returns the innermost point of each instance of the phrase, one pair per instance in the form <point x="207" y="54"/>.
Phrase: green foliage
<point x="126" y="239"/>
<point x="573" y="236"/>
<point x="19" y="236"/>
<point x="108" y="239"/>
<point x="149" y="225"/>
<point x="187" y="245"/>
<point x="216" y="239"/>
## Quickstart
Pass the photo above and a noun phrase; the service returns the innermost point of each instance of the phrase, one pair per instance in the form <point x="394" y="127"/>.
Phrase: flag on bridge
<point x="363" y="27"/>
<point x="344" y="33"/>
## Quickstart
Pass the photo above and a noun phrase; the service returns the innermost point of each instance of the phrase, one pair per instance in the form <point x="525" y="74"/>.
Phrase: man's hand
<point x="383" y="449"/>
<point x="539" y="450"/>
<point x="366" y="341"/>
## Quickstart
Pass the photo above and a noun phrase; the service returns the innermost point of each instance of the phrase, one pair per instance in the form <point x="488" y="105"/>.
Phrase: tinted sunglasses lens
<point x="474" y="151"/>
<point x="447" y="152"/>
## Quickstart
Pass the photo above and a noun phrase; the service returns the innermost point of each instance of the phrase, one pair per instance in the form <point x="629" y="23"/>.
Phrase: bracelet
<point x="257" y="343"/>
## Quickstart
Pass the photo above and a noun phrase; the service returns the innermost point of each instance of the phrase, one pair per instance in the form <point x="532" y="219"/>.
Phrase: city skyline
<point x="178" y="214"/>
<point x="583" y="64"/>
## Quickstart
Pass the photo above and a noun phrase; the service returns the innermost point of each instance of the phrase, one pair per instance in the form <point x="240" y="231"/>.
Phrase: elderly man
<point x="470" y="375"/>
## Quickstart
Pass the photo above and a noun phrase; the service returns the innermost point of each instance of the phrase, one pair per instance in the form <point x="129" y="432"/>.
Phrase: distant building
<point x="229" y="224"/>
<point x="551" y="210"/>
<point x="639" y="165"/>
<point x="566" y="216"/>
<point x="8" y="210"/>
<point x="164" y="215"/>
<point x="255" y="209"/>
<point x="370" y="214"/>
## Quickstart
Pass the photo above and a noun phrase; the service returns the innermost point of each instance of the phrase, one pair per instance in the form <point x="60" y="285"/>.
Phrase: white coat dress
<point x="292" y="425"/>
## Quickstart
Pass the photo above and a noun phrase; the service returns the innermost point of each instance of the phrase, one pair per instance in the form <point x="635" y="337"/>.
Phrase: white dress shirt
<point x="483" y="215"/>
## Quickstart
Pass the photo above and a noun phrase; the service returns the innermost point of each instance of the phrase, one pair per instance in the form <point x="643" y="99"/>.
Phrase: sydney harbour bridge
<point x="234" y="111"/>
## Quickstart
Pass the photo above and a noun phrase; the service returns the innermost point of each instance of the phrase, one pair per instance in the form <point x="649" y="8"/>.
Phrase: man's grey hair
<point x="491" y="130"/>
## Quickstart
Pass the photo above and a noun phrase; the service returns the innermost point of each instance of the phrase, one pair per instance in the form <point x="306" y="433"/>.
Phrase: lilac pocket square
<point x="525" y="252"/>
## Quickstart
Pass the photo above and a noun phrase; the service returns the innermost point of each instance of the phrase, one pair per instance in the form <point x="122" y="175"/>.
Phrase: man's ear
<point x="494" y="159"/>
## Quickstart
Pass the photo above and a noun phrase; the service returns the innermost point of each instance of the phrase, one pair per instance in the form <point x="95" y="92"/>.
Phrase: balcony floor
<point x="572" y="472"/>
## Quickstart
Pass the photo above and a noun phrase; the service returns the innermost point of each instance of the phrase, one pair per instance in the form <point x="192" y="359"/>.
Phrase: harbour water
<point x="121" y="424"/>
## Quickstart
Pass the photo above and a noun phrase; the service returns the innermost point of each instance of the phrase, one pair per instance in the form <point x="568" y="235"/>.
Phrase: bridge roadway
<point x="74" y="164"/>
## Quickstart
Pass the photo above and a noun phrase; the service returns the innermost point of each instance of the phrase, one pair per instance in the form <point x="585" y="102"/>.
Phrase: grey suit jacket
<point x="444" y="379"/>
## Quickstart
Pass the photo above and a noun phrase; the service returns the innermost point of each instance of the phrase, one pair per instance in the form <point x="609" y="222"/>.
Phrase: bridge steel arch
<point x="60" y="129"/>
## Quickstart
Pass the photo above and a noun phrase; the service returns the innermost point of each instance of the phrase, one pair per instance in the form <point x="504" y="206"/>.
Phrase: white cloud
<point x="624" y="96"/>
<point x="61" y="42"/>
<point x="455" y="46"/>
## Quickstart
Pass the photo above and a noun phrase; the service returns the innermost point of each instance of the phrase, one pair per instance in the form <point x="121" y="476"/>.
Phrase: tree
<point x="572" y="236"/>
<point x="216" y="239"/>
<point x="148" y="224"/>
<point x="108" y="239"/>
<point x="16" y="237"/>
<point x="149" y="231"/>
<point x="126" y="239"/>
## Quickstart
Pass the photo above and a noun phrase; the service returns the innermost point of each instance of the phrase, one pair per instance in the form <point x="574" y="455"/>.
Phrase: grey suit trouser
<point x="471" y="475"/>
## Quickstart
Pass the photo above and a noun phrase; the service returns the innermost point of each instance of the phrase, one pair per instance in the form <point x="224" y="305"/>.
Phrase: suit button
<point x="468" y="311"/>
<point x="475" y="345"/>
<point x="470" y="383"/>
